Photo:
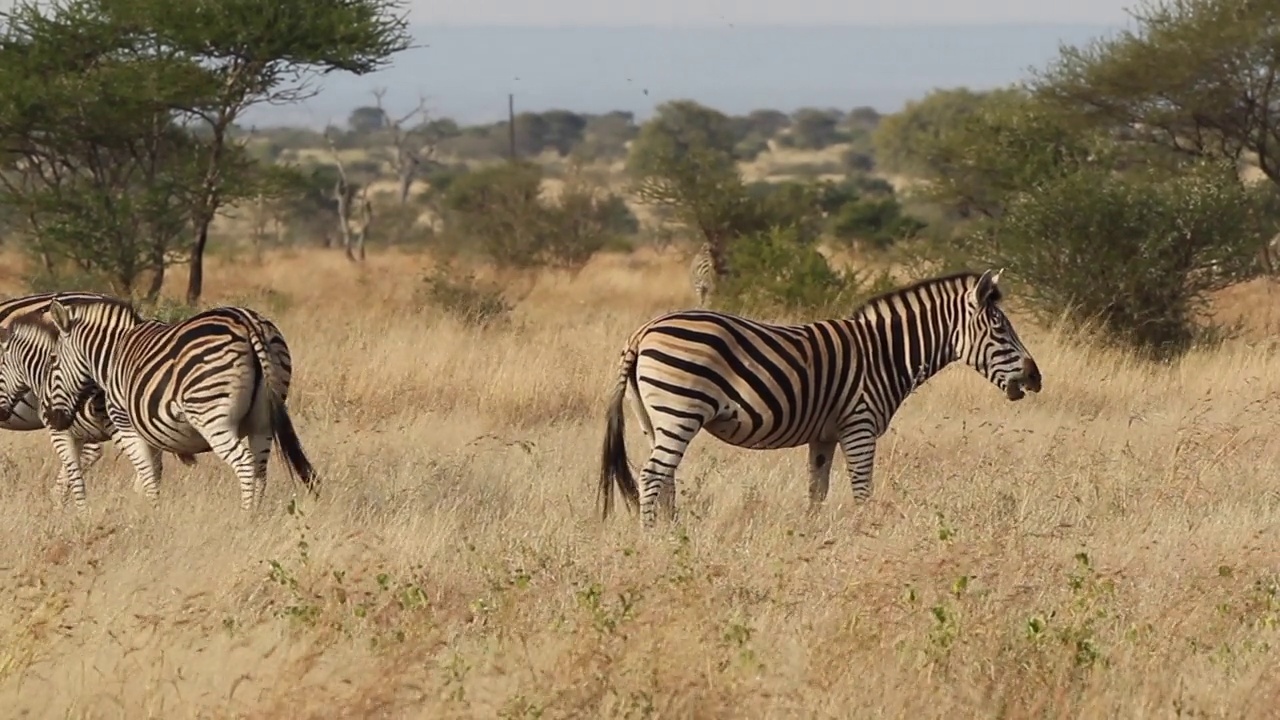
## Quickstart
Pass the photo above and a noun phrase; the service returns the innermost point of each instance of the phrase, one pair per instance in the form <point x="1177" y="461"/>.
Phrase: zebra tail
<point x="286" y="438"/>
<point x="614" y="468"/>
<point x="291" y="447"/>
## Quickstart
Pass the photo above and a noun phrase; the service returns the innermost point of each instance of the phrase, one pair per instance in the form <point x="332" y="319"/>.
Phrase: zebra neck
<point x="902" y="373"/>
<point x="933" y="363"/>
<point x="33" y="366"/>
<point x="38" y="378"/>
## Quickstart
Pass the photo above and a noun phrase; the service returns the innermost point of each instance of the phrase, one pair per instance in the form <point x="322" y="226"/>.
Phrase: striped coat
<point x="827" y="385"/>
<point x="208" y="383"/>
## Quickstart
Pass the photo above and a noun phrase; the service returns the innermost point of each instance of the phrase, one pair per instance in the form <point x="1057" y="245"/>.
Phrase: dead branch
<point x="412" y="152"/>
<point x="344" y="193"/>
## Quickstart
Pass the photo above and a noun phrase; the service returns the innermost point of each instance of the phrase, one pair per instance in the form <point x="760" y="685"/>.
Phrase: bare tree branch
<point x="347" y="197"/>
<point x="412" y="151"/>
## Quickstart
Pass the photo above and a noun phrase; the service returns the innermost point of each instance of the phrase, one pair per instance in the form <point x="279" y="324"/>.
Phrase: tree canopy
<point x="1197" y="77"/>
<point x="83" y="82"/>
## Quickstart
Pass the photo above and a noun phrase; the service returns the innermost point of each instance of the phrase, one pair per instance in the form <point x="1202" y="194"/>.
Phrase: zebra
<point x="24" y="414"/>
<point x="833" y="382"/>
<point x="26" y="349"/>
<point x="205" y="384"/>
<point x="704" y="270"/>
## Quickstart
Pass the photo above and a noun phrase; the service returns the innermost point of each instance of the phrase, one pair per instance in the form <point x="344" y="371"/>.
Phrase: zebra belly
<point x="178" y="437"/>
<point x="764" y="431"/>
<point x="90" y="431"/>
<point x="166" y="432"/>
<point x="739" y="433"/>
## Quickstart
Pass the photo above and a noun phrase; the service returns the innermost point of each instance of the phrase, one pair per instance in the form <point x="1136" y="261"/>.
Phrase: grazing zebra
<point x="208" y="383"/>
<point x="705" y="270"/>
<point x="827" y="383"/>
<point x="26" y="350"/>
<point x="24" y="414"/>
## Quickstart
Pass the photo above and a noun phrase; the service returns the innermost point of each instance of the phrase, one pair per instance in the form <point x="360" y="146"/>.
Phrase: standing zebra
<point x="24" y="414"/>
<point x="26" y="353"/>
<point x="832" y="382"/>
<point x="705" y="270"/>
<point x="208" y="383"/>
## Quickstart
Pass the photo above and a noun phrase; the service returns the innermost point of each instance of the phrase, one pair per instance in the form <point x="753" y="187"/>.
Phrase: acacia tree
<point x="904" y="140"/>
<point x="1196" y="77"/>
<point x="95" y="164"/>
<point x="221" y="58"/>
<point x="266" y="53"/>
<point x="1094" y="225"/>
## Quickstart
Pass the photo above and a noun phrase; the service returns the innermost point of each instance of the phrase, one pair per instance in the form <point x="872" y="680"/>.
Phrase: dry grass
<point x="455" y="567"/>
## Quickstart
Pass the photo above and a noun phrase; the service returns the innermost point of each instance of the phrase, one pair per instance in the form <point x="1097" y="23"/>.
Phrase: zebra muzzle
<point x="1029" y="379"/>
<point x="6" y="411"/>
<point x="1030" y="376"/>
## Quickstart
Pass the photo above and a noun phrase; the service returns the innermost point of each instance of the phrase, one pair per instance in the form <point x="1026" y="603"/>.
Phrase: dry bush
<point x="1103" y="549"/>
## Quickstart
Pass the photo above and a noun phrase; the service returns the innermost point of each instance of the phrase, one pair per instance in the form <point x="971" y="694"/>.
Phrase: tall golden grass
<point x="1107" y="548"/>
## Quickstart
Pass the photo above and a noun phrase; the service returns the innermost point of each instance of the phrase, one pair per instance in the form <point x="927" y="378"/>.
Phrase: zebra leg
<point x="821" y="454"/>
<point x="61" y="487"/>
<point x="69" y="448"/>
<point x="261" y="446"/>
<point x="240" y="454"/>
<point x="147" y="464"/>
<point x="859" y="446"/>
<point x="658" y="476"/>
<point x="91" y="454"/>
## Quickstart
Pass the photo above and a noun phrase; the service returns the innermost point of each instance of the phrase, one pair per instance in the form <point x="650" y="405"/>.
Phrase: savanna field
<point x="1107" y="548"/>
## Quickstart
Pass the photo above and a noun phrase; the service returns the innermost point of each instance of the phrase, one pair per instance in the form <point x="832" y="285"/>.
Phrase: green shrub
<point x="878" y="222"/>
<point x="498" y="213"/>
<point x="778" y="270"/>
<point x="1139" y="254"/>
<point x="465" y="299"/>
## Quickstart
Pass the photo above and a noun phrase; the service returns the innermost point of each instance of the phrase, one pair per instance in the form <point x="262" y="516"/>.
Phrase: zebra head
<point x="70" y="375"/>
<point x="11" y="386"/>
<point x="988" y="343"/>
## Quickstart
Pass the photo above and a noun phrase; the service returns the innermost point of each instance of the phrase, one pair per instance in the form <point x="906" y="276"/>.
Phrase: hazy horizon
<point x="711" y="13"/>
<point x="466" y="71"/>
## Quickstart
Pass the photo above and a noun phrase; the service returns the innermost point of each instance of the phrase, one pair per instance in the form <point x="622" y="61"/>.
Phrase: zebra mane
<point x="968" y="279"/>
<point x="112" y="302"/>
<point x="37" y="321"/>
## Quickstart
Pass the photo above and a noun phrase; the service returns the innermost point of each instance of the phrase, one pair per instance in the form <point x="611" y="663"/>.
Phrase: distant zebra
<point x="705" y="270"/>
<point x="833" y="382"/>
<point x="26" y="350"/>
<point x="208" y="383"/>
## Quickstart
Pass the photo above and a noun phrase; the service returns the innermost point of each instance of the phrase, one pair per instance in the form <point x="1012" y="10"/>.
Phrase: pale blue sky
<point x="799" y="12"/>
<point x="765" y="12"/>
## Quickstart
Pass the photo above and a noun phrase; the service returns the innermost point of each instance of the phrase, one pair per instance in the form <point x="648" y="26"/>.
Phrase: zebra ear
<point x="60" y="316"/>
<point x="987" y="290"/>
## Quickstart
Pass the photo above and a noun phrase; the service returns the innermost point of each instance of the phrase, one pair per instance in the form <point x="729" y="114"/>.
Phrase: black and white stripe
<point x="833" y="382"/>
<point x="25" y="414"/>
<point x="26" y="350"/>
<point x="208" y="383"/>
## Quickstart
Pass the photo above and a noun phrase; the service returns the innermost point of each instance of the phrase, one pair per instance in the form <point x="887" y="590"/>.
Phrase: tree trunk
<point x="195" y="277"/>
<point x="157" y="281"/>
